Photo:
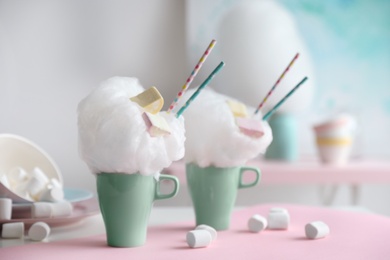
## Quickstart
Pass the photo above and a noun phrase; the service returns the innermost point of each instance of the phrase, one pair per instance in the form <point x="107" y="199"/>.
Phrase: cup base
<point x="334" y="154"/>
<point x="114" y="243"/>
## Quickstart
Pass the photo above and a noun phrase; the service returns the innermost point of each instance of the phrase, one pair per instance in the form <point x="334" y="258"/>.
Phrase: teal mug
<point x="213" y="191"/>
<point x="125" y="202"/>
<point x="284" y="146"/>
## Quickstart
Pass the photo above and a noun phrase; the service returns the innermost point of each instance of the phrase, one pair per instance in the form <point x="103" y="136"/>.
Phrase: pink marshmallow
<point x="250" y="127"/>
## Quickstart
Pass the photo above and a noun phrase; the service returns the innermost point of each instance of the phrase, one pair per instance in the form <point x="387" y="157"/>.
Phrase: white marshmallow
<point x="52" y="194"/>
<point x="61" y="209"/>
<point x="48" y="209"/>
<point x="316" y="229"/>
<point x="278" y="220"/>
<point x="198" y="238"/>
<point x="41" y="210"/>
<point x="39" y="231"/>
<point x="212" y="231"/>
<point x="13" y="230"/>
<point x="5" y="209"/>
<point x="55" y="183"/>
<point x="37" y="183"/>
<point x="39" y="174"/>
<point x="21" y="190"/>
<point x="257" y="223"/>
<point x="276" y="209"/>
<point x="34" y="187"/>
<point x="17" y="175"/>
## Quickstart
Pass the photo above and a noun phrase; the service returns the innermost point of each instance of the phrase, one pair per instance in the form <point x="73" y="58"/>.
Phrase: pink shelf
<point x="311" y="172"/>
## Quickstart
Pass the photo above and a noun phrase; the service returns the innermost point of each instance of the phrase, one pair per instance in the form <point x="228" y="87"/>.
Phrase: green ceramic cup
<point x="213" y="192"/>
<point x="126" y="201"/>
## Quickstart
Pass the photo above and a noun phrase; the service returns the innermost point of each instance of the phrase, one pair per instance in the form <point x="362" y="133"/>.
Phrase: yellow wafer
<point x="150" y="100"/>
<point x="238" y="109"/>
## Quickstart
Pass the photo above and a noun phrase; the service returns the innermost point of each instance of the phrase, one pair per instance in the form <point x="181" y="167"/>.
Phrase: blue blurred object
<point x="284" y="146"/>
<point x="76" y="195"/>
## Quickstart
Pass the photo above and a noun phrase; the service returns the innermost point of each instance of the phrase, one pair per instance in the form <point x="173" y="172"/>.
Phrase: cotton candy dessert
<point x="222" y="132"/>
<point x="118" y="133"/>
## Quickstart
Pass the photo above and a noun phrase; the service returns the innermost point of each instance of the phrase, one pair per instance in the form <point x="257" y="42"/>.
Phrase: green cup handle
<point x="241" y="184"/>
<point x="158" y="195"/>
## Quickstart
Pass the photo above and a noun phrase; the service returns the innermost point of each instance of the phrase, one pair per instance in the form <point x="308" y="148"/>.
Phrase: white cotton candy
<point x="213" y="137"/>
<point x="113" y="136"/>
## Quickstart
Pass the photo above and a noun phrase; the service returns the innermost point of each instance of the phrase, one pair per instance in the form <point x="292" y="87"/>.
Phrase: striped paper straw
<point x="277" y="83"/>
<point x="192" y="76"/>
<point x="202" y="86"/>
<point x="266" y="116"/>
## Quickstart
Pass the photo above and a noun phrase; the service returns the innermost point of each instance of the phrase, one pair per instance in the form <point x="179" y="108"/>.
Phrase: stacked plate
<point x="16" y="151"/>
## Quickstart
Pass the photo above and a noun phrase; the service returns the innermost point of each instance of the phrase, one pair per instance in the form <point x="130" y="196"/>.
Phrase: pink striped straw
<point x="277" y="83"/>
<point x="192" y="76"/>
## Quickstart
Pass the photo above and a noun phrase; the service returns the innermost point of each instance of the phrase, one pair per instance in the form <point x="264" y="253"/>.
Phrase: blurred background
<point x="53" y="53"/>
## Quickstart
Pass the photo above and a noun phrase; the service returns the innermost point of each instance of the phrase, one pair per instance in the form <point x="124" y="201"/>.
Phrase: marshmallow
<point x="276" y="209"/>
<point x="278" y="219"/>
<point x="41" y="210"/>
<point x="17" y="175"/>
<point x="156" y="124"/>
<point x="238" y="109"/>
<point x="198" y="238"/>
<point x="316" y="229"/>
<point x="5" y="209"/>
<point x="250" y="127"/>
<point x="21" y="190"/>
<point x="39" y="231"/>
<point x="150" y="100"/>
<point x="257" y="223"/>
<point x="212" y="231"/>
<point x="55" y="183"/>
<point x="13" y="230"/>
<point x="34" y="187"/>
<point x="61" y="209"/>
<point x="52" y="194"/>
<point x="37" y="183"/>
<point x="40" y="175"/>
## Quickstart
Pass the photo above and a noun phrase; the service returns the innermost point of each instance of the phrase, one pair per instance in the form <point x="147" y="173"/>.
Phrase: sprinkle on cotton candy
<point x="213" y="137"/>
<point x="113" y="136"/>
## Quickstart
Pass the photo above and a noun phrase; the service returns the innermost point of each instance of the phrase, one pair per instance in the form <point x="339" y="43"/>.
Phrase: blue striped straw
<point x="266" y="116"/>
<point x="202" y="86"/>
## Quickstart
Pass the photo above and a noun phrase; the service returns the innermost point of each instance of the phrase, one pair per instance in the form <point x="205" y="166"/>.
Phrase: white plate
<point x="81" y="210"/>
<point x="75" y="196"/>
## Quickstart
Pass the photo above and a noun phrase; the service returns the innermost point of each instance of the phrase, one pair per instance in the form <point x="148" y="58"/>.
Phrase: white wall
<point x="53" y="53"/>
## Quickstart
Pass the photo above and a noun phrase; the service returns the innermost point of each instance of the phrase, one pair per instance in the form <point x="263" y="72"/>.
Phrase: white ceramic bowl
<point x="17" y="151"/>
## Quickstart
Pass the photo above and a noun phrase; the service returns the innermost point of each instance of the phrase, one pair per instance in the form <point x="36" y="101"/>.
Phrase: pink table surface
<point x="353" y="236"/>
<point x="310" y="171"/>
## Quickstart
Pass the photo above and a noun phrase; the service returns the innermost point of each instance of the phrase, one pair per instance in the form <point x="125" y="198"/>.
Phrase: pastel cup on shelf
<point x="334" y="139"/>
<point x="213" y="191"/>
<point x="126" y="201"/>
